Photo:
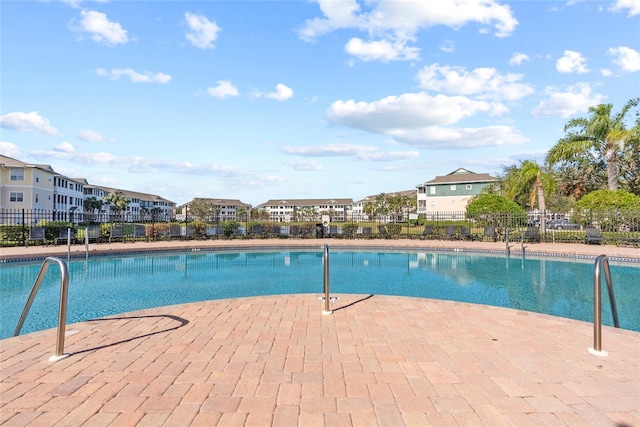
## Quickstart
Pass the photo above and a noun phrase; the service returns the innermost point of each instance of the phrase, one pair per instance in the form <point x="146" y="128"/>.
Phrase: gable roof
<point x="221" y="202"/>
<point x="462" y="176"/>
<point x="305" y="202"/>
<point x="11" y="162"/>
<point x="372" y="197"/>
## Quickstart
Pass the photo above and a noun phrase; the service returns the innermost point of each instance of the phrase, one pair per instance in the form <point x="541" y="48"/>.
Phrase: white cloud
<point x="460" y="138"/>
<point x="390" y="24"/>
<point x="305" y="165"/>
<point x="518" y="58"/>
<point x="381" y="50"/>
<point x="360" y="152"/>
<point x="572" y="62"/>
<point x="202" y="33"/>
<point x="483" y="83"/>
<point x="89" y="135"/>
<point x="424" y="120"/>
<point x="135" y="77"/>
<point x="27" y="122"/>
<point x="9" y="149"/>
<point x="574" y="99"/>
<point x="632" y="5"/>
<point x="410" y="110"/>
<point x="64" y="147"/>
<point x="223" y="89"/>
<point x="282" y="93"/>
<point x="628" y="59"/>
<point x="448" y="46"/>
<point x="605" y="72"/>
<point x="101" y="29"/>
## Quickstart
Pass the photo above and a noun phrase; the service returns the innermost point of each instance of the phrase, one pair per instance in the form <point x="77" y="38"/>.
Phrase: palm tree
<point x="600" y="135"/>
<point x="117" y="201"/>
<point x="532" y="178"/>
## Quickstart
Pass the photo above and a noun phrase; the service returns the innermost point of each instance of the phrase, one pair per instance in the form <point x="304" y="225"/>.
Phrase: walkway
<point x="276" y="360"/>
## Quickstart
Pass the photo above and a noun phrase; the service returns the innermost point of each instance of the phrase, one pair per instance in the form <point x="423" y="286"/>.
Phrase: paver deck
<point x="277" y="360"/>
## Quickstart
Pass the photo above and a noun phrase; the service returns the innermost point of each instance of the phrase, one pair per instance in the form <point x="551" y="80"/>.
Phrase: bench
<point x="628" y="241"/>
<point x="66" y="234"/>
<point x="116" y="233"/>
<point x="36" y="234"/>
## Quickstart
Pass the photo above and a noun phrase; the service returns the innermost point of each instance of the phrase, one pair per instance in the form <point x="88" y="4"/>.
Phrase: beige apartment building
<point x="452" y="192"/>
<point x="36" y="187"/>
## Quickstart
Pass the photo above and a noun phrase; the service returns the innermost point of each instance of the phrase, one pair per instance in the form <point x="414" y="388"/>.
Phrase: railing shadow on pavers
<point x="354" y="302"/>
<point x="183" y="322"/>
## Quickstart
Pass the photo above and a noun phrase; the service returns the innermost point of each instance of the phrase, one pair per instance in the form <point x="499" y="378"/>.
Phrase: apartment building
<point x="359" y="211"/>
<point x="281" y="210"/>
<point x="141" y="206"/>
<point x="39" y="187"/>
<point x="451" y="192"/>
<point x="26" y="186"/>
<point x="218" y="209"/>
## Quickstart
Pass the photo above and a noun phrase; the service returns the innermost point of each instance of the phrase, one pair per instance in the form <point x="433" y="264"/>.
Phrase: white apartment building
<point x="281" y="210"/>
<point x="221" y="209"/>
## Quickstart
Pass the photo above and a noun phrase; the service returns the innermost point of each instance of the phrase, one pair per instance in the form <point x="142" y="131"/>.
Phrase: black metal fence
<point x="33" y="227"/>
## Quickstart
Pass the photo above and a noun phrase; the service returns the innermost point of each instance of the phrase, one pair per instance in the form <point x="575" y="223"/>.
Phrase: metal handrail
<point x="601" y="263"/>
<point x="62" y="313"/>
<point x="325" y="261"/>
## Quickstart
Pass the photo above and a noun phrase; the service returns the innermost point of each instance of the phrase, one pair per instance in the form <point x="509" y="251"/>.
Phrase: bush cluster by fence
<point x="36" y="227"/>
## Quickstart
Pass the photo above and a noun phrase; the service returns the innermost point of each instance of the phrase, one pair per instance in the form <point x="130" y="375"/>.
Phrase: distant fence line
<point x="17" y="227"/>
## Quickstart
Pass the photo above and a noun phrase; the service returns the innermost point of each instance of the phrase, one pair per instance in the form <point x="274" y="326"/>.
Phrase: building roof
<point x="461" y="176"/>
<point x="221" y="202"/>
<point x="305" y="202"/>
<point x="134" y="194"/>
<point x="372" y="197"/>
<point x="11" y="162"/>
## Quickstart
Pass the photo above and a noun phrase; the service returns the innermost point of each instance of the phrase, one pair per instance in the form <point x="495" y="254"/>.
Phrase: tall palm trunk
<point x="542" y="205"/>
<point x="612" y="169"/>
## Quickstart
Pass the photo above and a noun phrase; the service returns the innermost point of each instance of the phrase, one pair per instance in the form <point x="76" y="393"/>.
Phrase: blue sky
<point x="258" y="100"/>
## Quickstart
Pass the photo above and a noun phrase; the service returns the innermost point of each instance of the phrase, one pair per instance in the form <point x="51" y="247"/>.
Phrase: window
<point x="433" y="205"/>
<point x="432" y="190"/>
<point x="17" y="174"/>
<point x="36" y="197"/>
<point x="469" y="186"/>
<point x="16" y="196"/>
<point x="453" y="187"/>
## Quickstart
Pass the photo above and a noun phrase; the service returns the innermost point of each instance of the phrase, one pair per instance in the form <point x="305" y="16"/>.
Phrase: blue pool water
<point x="110" y="285"/>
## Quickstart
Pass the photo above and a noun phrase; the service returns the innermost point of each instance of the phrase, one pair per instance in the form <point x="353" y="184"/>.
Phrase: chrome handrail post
<point x="601" y="263"/>
<point x="62" y="313"/>
<point x="325" y="260"/>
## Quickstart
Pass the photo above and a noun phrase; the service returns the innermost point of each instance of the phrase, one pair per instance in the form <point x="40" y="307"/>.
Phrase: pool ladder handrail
<point x="62" y="313"/>
<point x="601" y="264"/>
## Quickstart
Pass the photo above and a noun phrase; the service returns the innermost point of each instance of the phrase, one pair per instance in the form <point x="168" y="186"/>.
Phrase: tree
<point x="599" y="135"/>
<point x="118" y="202"/>
<point x="580" y="176"/>
<point x="630" y="164"/>
<point x="202" y="209"/>
<point x="92" y="204"/>
<point x="491" y="204"/>
<point x="491" y="209"/>
<point x="529" y="179"/>
<point x="612" y="210"/>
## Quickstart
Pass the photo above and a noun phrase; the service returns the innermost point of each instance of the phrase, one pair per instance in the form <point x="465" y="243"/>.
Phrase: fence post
<point x="24" y="230"/>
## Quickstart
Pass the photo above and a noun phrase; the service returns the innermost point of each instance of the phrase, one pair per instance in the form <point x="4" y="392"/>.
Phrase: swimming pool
<point x="109" y="285"/>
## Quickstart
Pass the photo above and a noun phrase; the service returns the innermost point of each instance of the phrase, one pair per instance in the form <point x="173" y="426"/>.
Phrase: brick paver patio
<point x="277" y="360"/>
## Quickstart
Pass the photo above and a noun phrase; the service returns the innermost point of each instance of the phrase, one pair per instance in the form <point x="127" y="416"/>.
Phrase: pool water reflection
<point x="110" y="285"/>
